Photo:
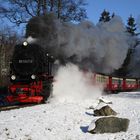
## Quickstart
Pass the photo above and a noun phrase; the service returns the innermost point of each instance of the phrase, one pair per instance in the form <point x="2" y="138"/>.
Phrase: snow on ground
<point x="68" y="120"/>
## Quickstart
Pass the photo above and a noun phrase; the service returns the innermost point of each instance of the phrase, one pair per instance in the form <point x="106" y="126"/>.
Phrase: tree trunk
<point x="44" y="7"/>
<point x="38" y="7"/>
<point x="52" y="5"/>
<point x="59" y="8"/>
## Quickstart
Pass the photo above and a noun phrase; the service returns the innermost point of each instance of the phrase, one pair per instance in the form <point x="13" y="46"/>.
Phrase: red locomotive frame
<point x="29" y="93"/>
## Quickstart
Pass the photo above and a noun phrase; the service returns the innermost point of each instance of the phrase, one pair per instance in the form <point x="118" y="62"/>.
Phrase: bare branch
<point x="28" y="11"/>
<point x="20" y="11"/>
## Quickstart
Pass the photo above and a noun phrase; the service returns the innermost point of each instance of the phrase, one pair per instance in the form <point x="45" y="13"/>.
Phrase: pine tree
<point x="113" y="15"/>
<point x="105" y="16"/>
<point x="131" y="26"/>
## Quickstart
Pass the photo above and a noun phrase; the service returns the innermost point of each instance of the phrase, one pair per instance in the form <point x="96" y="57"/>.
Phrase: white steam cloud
<point x="72" y="85"/>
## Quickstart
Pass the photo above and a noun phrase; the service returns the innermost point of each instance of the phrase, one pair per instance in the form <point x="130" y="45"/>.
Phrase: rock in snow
<point x="109" y="125"/>
<point x="69" y="120"/>
<point x="104" y="111"/>
<point x="102" y="99"/>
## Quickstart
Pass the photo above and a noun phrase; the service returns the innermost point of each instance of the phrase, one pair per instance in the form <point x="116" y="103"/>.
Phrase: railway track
<point x="6" y="108"/>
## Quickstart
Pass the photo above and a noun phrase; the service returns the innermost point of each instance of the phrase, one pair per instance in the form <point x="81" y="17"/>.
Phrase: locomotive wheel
<point x="4" y="93"/>
<point x="47" y="92"/>
<point x="3" y="101"/>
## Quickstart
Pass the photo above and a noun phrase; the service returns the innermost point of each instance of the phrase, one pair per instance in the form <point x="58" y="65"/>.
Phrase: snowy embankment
<point x="68" y="120"/>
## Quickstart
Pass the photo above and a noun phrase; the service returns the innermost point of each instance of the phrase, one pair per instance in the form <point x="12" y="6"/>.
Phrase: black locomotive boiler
<point x="30" y="74"/>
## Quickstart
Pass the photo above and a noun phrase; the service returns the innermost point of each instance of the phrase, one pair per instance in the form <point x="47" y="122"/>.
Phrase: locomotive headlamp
<point x="25" y="43"/>
<point x="33" y="77"/>
<point x="13" y="77"/>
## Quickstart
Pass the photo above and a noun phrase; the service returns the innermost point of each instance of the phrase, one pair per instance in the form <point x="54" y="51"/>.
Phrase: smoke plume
<point x="102" y="47"/>
<point x="134" y="65"/>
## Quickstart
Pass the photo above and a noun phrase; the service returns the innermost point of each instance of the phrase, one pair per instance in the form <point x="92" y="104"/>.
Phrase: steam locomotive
<point x="30" y="75"/>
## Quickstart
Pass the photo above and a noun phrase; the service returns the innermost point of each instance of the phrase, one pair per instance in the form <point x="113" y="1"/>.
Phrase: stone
<point x="102" y="99"/>
<point x="104" y="111"/>
<point x="109" y="125"/>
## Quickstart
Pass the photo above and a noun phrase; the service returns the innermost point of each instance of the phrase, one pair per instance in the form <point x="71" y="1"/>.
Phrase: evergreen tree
<point x="112" y="16"/>
<point x="105" y="16"/>
<point x="131" y="26"/>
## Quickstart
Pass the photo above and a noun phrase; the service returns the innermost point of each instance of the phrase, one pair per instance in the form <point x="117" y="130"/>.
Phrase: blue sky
<point x="122" y="8"/>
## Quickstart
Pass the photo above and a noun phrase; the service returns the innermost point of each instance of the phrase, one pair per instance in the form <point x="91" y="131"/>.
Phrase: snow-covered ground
<point x="68" y="120"/>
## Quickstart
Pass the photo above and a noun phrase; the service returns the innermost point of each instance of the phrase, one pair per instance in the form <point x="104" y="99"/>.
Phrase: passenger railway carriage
<point x="116" y="84"/>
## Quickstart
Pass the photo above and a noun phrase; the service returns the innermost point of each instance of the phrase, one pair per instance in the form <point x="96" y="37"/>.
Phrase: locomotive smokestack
<point x="30" y="39"/>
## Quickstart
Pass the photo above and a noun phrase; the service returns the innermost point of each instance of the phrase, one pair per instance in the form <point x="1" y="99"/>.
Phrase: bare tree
<point x="20" y="11"/>
<point x="71" y="10"/>
<point x="8" y="39"/>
